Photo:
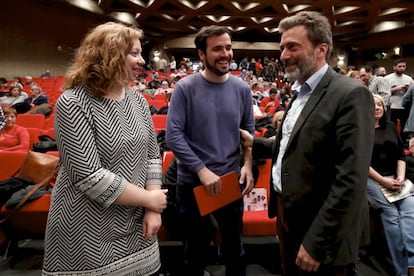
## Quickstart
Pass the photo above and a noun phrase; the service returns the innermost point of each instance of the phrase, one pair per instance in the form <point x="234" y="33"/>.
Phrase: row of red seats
<point x="31" y="219"/>
<point x="39" y="121"/>
<point x="35" y="121"/>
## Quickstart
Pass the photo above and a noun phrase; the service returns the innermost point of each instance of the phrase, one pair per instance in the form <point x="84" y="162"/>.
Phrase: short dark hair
<point x="200" y="40"/>
<point x="399" y="60"/>
<point x="368" y="68"/>
<point x="273" y="90"/>
<point x="317" y="25"/>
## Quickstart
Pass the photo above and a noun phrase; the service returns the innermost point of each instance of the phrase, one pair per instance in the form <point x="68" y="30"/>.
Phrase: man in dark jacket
<point x="321" y="155"/>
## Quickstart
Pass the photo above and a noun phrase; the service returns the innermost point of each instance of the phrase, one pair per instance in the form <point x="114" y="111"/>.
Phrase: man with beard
<point x="399" y="83"/>
<point x="321" y="155"/>
<point x="206" y="111"/>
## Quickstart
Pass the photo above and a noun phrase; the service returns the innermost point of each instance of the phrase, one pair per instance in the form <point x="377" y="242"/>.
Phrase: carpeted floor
<point x="262" y="255"/>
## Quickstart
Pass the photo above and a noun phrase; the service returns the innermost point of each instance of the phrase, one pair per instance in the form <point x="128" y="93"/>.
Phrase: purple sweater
<point x="203" y="124"/>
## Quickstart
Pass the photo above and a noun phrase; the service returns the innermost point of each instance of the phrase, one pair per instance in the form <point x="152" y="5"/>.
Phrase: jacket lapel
<point x="315" y="97"/>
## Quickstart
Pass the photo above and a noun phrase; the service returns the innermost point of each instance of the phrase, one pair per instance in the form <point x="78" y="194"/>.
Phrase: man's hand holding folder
<point x="209" y="201"/>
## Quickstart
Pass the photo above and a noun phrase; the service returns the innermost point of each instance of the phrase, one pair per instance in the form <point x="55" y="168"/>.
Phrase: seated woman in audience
<point x="164" y="89"/>
<point x="15" y="96"/>
<point x="270" y="102"/>
<point x="387" y="174"/>
<point x="277" y="118"/>
<point x="12" y="136"/>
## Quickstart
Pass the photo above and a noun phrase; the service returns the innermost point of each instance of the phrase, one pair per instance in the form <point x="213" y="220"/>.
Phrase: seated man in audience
<point x="12" y="136"/>
<point x="37" y="98"/>
<point x="38" y="103"/>
<point x="272" y="101"/>
<point x="283" y="104"/>
<point x="29" y="81"/>
<point x="46" y="74"/>
<point x="163" y="89"/>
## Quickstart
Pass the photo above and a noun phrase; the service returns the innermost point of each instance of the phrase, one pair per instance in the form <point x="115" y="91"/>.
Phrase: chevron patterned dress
<point x="103" y="144"/>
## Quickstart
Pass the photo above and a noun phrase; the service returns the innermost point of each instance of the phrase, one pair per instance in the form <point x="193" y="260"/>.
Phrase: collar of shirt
<point x="313" y="81"/>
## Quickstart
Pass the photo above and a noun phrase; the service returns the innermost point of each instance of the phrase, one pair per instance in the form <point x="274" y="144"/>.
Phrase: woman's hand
<point x="392" y="183"/>
<point x="156" y="200"/>
<point x="151" y="224"/>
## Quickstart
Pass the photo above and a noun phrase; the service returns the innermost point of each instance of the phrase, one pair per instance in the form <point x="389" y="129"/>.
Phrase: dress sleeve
<point x="2" y="120"/>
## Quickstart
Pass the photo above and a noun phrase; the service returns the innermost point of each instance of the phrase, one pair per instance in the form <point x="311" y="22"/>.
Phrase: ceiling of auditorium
<point x="357" y="24"/>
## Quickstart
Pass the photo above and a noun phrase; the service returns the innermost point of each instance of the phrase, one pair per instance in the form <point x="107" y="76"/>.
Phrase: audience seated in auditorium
<point x="163" y="89"/>
<point x="46" y="74"/>
<point x="354" y="74"/>
<point x="17" y="81"/>
<point x="387" y="177"/>
<point x="140" y="85"/>
<point x="15" y="96"/>
<point x="285" y="92"/>
<point x="38" y="103"/>
<point x="277" y="119"/>
<point x="377" y="85"/>
<point x="257" y="90"/>
<point x="272" y="101"/>
<point x="380" y="71"/>
<point x="3" y="83"/>
<point x="29" y="81"/>
<point x="283" y="104"/>
<point x="37" y="98"/>
<point x="12" y="136"/>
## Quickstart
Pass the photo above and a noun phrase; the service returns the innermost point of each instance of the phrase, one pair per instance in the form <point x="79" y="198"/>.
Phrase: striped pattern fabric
<point x="2" y="120"/>
<point x="103" y="144"/>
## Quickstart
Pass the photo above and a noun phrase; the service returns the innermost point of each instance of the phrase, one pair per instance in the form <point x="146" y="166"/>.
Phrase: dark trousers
<point x="200" y="231"/>
<point x="289" y="247"/>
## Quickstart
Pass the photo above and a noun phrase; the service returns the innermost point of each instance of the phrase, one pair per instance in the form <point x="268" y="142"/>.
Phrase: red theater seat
<point x="257" y="223"/>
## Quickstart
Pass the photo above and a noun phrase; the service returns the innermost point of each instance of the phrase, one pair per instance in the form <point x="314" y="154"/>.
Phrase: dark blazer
<point x="41" y="99"/>
<point x="325" y="169"/>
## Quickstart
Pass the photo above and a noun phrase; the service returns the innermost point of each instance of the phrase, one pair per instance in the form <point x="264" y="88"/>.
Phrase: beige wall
<point x="20" y="56"/>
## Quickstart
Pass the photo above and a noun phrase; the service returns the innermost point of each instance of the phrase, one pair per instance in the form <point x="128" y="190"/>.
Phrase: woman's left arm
<point x="401" y="167"/>
<point x="152" y="220"/>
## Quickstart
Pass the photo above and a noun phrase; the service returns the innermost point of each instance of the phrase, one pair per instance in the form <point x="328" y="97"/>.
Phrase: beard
<point x="216" y="68"/>
<point x="303" y="69"/>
